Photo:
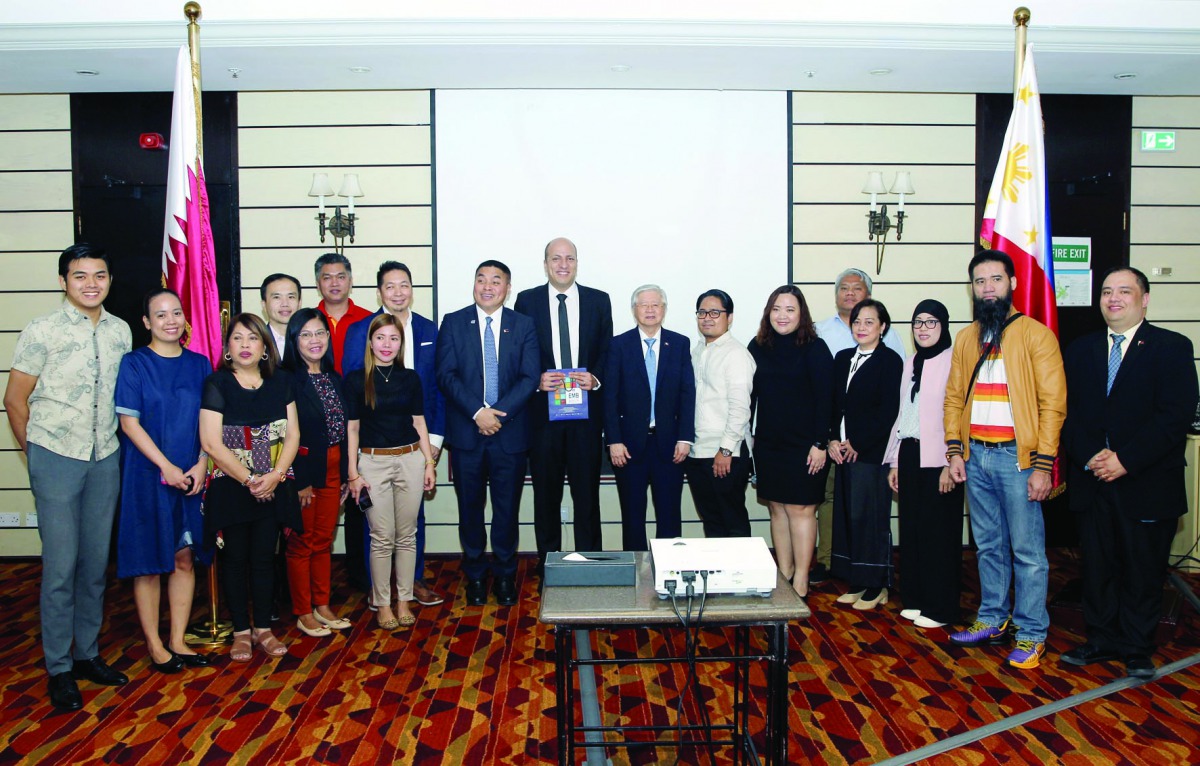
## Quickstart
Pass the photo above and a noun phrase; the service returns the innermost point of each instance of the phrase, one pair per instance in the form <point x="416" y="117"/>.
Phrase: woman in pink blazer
<point x="931" y="504"/>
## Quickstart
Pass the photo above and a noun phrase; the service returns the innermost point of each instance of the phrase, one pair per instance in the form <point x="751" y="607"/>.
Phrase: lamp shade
<point x="320" y="186"/>
<point x="903" y="183"/>
<point x="874" y="183"/>
<point x="350" y="187"/>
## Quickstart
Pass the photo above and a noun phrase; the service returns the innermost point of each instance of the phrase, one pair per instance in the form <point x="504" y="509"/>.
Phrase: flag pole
<point x="1021" y="20"/>
<point x="213" y="631"/>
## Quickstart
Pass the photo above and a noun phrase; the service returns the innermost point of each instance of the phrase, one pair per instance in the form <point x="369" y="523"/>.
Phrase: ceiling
<point x="941" y="46"/>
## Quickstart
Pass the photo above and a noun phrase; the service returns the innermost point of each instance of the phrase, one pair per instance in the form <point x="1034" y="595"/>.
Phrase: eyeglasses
<point x="318" y="335"/>
<point x="710" y="313"/>
<point x="928" y="324"/>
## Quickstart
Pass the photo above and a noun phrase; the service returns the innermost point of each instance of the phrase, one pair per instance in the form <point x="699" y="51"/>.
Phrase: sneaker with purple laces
<point x="981" y="633"/>
<point x="1027" y="655"/>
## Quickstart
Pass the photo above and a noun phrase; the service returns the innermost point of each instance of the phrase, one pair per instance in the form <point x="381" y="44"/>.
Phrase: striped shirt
<point x="991" y="410"/>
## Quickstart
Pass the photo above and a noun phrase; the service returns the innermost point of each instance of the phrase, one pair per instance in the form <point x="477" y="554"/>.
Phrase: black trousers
<point x="931" y="528"/>
<point x="654" y="468"/>
<point x="862" y="534"/>
<point x="248" y="571"/>
<point x="1124" y="567"/>
<point x="570" y="449"/>
<point x="720" y="502"/>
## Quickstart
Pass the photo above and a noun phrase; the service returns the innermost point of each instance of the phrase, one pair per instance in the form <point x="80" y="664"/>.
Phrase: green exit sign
<point x="1071" y="254"/>
<point x="1158" y="140"/>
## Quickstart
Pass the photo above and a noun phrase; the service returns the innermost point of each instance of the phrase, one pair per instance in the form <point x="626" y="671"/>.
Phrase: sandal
<point x="391" y="623"/>
<point x="407" y="620"/>
<point x="242" y="647"/>
<point x="270" y="645"/>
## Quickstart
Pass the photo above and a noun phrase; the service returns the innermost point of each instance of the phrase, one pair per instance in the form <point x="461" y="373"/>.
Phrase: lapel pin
<point x="1141" y="342"/>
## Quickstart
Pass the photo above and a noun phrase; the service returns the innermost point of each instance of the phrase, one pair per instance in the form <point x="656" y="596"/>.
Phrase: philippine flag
<point x="1016" y="218"/>
<point x="189" y="262"/>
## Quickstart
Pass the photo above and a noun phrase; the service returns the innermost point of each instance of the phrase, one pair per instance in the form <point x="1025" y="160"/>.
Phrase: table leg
<point x="562" y="674"/>
<point x="777" y="698"/>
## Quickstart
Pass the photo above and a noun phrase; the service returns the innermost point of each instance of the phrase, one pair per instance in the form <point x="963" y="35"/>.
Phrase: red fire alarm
<point x="152" y="141"/>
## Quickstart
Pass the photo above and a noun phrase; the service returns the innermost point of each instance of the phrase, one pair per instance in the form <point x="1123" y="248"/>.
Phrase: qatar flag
<point x="1016" y="219"/>
<point x="189" y="261"/>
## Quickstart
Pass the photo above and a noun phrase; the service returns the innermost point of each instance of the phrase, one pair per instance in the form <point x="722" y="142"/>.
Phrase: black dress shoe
<point x="818" y="574"/>
<point x="476" y="593"/>
<point x="97" y="671"/>
<point x="506" y="591"/>
<point x="1140" y="666"/>
<point x="170" y="667"/>
<point x="64" y="694"/>
<point x="192" y="660"/>
<point x="1087" y="654"/>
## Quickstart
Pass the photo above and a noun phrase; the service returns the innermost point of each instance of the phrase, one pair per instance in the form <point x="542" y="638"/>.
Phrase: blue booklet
<point x="568" y="401"/>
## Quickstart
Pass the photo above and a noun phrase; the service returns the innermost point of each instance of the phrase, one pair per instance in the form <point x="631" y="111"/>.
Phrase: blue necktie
<point x="651" y="372"/>
<point x="491" y="366"/>
<point x="1114" y="360"/>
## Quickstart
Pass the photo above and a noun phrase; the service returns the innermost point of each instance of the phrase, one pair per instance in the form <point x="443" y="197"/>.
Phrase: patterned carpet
<point x="475" y="686"/>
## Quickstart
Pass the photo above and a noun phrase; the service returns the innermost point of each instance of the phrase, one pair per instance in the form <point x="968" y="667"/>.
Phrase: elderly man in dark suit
<point x="649" y="415"/>
<point x="487" y="369"/>
<point x="1131" y="394"/>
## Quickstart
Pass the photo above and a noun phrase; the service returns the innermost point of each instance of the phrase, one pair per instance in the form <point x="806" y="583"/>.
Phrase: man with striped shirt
<point x="1005" y="404"/>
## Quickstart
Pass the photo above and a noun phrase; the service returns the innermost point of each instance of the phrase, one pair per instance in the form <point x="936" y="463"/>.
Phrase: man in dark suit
<point x="394" y="290"/>
<point x="649" y="415"/>
<point x="487" y="368"/>
<point x="1131" y="394"/>
<point x="574" y="328"/>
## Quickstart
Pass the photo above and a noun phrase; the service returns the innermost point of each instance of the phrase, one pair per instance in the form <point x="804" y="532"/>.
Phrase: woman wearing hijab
<point x="931" y="504"/>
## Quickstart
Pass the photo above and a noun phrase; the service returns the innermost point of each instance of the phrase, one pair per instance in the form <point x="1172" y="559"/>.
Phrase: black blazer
<point x="1144" y="419"/>
<point x="871" y="404"/>
<point x="310" y="466"/>
<point x="595" y="333"/>
<point x="627" y="393"/>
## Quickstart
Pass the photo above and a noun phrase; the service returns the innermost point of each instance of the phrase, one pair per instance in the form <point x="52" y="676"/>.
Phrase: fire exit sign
<point x="1158" y="140"/>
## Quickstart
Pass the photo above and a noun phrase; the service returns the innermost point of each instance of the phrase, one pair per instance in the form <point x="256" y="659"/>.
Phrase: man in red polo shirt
<point x="335" y="283"/>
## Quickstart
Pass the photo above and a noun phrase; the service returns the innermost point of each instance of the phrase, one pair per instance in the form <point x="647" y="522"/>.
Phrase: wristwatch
<point x="821" y="445"/>
<point x="725" y="452"/>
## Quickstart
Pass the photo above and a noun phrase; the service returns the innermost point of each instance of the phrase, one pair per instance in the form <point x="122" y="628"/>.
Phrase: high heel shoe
<point x="880" y="598"/>
<point x="805" y="611"/>
<point x="851" y="597"/>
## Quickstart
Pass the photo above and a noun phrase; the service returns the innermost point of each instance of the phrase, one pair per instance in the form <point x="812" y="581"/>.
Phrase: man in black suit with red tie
<point x="1131" y="394"/>
<point x="574" y="327"/>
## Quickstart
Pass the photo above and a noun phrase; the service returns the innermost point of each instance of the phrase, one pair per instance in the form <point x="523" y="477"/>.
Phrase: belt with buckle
<point x="994" y="445"/>
<point x="390" y="450"/>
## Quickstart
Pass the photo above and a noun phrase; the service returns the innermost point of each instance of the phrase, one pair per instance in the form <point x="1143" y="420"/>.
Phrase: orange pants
<point x="308" y="552"/>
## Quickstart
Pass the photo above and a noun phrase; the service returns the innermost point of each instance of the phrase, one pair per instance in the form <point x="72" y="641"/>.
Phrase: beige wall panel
<point x="35" y="151"/>
<point x="1183" y="260"/>
<point x="1174" y="301"/>
<point x="1166" y="111"/>
<point x="883" y="145"/>
<point x="360" y="107"/>
<point x="919" y="108"/>
<point x="7" y="440"/>
<point x="1171" y="225"/>
<point x="19" y="308"/>
<point x="938" y="224"/>
<point x="20" y="542"/>
<point x="1165" y="186"/>
<point x="8" y="344"/>
<point x="14" y="474"/>
<point x="30" y="271"/>
<point x="17" y="501"/>
<point x="902" y="299"/>
<point x="257" y="264"/>
<point x="902" y="262"/>
<point x="288" y="187"/>
<point x="35" y="112"/>
<point x="50" y="190"/>
<point x="1190" y="329"/>
<point x="1186" y="154"/>
<point x="36" y="231"/>
<point x="844" y="183"/>
<point x="337" y="147"/>
<point x="295" y="227"/>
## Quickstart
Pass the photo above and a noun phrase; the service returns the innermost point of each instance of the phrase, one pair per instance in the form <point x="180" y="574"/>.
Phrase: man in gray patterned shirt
<point x="60" y="406"/>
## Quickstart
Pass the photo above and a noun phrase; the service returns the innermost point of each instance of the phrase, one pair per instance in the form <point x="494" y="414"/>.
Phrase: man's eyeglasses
<point x="710" y="313"/>
<point x="318" y="335"/>
<point x="928" y="324"/>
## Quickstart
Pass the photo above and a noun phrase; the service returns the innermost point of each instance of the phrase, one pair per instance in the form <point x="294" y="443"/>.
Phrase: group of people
<point x="313" y="408"/>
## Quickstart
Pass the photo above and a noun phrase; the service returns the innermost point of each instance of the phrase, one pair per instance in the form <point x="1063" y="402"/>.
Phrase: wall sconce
<point x="878" y="223"/>
<point x="341" y="225"/>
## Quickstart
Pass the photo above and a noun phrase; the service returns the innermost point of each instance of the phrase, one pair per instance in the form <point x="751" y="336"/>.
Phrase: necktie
<point x="1114" y="360"/>
<point x="564" y="333"/>
<point x="491" y="366"/>
<point x="651" y="372"/>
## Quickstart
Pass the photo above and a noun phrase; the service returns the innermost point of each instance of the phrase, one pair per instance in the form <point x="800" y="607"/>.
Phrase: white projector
<point x="741" y="566"/>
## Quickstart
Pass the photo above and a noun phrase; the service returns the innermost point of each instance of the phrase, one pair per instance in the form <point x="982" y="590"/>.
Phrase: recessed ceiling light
<point x="360" y="69"/>
<point x="879" y="72"/>
<point x="87" y="72"/>
<point x="1125" y="76"/>
<point x="619" y="67"/>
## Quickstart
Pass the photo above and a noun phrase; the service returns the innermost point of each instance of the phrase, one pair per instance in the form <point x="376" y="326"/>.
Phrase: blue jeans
<point x="1011" y="538"/>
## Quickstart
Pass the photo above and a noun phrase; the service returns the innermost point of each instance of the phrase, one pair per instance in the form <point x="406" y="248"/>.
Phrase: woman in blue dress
<point x="162" y="475"/>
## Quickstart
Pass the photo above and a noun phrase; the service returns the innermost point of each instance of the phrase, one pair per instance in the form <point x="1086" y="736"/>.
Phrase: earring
<point x="264" y="356"/>
<point x="228" y="357"/>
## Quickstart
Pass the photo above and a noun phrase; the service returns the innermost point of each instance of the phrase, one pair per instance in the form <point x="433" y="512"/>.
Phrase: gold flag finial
<point x="192" y="11"/>
<point x="1020" y="16"/>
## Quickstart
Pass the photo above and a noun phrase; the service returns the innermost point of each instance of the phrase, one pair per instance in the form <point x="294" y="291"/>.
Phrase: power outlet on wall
<point x="31" y="518"/>
<point x="12" y="519"/>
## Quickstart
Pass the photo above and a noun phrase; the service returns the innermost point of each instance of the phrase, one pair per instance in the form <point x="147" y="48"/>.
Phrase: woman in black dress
<point x="249" y="429"/>
<point x="790" y="402"/>
<point x="866" y="386"/>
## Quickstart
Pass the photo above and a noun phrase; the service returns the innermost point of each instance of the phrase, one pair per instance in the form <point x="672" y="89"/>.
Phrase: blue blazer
<point x="626" y="389"/>
<point x="460" y="377"/>
<point x="425" y="335"/>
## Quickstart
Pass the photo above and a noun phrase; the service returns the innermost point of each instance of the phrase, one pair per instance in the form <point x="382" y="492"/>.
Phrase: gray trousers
<point x="76" y="501"/>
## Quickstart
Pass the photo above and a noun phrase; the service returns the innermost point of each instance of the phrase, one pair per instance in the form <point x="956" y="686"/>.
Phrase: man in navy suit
<point x="488" y="368"/>
<point x="1131" y="395"/>
<point x="567" y="447"/>
<point x="649" y="415"/>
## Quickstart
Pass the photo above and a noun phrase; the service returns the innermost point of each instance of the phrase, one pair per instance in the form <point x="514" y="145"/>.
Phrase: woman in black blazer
<point x="320" y="469"/>
<point x="866" y="399"/>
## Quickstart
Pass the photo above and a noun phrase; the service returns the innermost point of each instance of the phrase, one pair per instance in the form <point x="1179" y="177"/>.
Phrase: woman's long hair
<point x="383" y="320"/>
<point x="254" y="324"/>
<point x="292" y="360"/>
<point x="806" y="332"/>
